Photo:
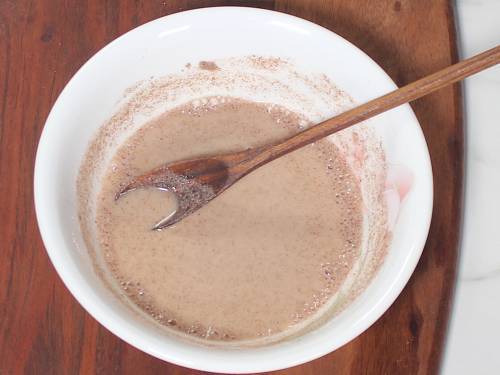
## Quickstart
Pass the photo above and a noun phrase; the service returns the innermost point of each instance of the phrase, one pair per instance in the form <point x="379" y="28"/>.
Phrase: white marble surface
<point x="473" y="339"/>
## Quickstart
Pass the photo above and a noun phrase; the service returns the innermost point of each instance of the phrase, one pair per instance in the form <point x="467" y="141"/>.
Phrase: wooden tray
<point x="44" y="330"/>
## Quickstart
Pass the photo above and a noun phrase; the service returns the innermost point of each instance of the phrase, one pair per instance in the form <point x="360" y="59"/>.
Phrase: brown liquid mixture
<point x="256" y="261"/>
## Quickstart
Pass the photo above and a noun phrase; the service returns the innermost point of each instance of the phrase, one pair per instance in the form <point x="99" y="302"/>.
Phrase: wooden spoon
<point x="195" y="182"/>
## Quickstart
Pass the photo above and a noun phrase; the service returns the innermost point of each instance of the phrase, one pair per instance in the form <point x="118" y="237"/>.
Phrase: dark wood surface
<point x="43" y="330"/>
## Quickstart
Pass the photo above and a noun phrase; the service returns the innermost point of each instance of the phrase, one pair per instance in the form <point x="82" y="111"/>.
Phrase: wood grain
<point x="43" y="330"/>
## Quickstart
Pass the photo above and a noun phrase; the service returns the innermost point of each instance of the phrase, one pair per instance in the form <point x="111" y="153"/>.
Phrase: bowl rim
<point x="52" y="244"/>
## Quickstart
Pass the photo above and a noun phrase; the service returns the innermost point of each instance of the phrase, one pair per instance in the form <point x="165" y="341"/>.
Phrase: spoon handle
<point x="412" y="91"/>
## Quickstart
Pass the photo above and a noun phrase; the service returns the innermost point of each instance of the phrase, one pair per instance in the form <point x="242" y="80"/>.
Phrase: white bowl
<point x="163" y="46"/>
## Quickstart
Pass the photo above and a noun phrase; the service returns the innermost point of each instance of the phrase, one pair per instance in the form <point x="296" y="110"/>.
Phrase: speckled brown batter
<point x="262" y="257"/>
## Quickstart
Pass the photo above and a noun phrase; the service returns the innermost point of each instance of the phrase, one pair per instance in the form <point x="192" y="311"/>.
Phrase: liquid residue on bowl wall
<point x="266" y="80"/>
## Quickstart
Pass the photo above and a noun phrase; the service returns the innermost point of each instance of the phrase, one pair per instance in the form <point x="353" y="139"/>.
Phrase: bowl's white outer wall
<point x="164" y="46"/>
